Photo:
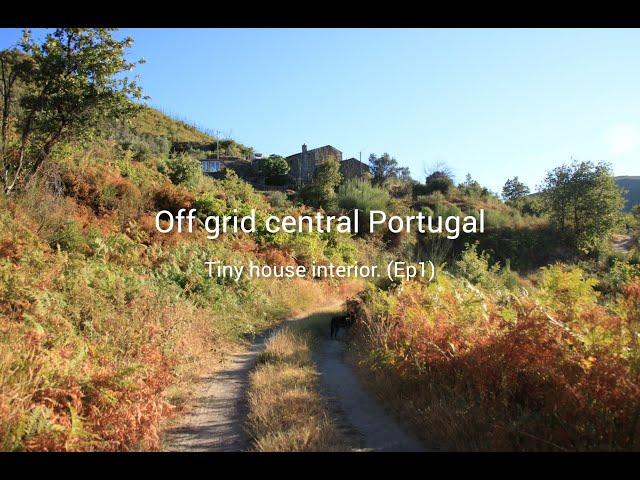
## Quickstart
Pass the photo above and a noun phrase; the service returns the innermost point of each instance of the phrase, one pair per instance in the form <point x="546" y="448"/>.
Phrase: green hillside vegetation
<point x="527" y="339"/>
<point x="105" y="323"/>
<point x="152" y="133"/>
<point x="632" y="186"/>
<point x="150" y="121"/>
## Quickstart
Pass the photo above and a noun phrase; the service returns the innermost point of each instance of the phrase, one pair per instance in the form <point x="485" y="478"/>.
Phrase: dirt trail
<point x="215" y="423"/>
<point x="362" y="417"/>
<point x="622" y="243"/>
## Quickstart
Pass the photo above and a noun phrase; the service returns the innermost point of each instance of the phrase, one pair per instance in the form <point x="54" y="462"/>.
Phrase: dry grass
<point x="286" y="411"/>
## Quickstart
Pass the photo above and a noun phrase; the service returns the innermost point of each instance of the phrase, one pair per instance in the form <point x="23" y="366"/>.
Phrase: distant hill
<point x="152" y="132"/>
<point x="153" y="122"/>
<point x="632" y="185"/>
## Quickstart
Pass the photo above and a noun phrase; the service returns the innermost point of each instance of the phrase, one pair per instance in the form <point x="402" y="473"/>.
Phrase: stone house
<point x="303" y="165"/>
<point x="354" y="168"/>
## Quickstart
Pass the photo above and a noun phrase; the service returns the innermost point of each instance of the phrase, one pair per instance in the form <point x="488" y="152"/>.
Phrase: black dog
<point x="338" y="322"/>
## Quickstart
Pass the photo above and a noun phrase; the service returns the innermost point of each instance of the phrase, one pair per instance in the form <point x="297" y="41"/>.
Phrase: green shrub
<point x="182" y="170"/>
<point x="447" y="210"/>
<point x="566" y="290"/>
<point x="361" y="195"/>
<point x="278" y="199"/>
<point x="69" y="237"/>
<point x="475" y="267"/>
<point x="207" y="204"/>
<point x="438" y="182"/>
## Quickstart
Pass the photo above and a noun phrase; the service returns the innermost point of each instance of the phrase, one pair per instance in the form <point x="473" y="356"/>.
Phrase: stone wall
<point x="303" y="165"/>
<point x="354" y="168"/>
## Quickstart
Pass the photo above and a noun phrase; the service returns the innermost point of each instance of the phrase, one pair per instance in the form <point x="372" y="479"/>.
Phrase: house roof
<point x="223" y="158"/>
<point x="314" y="149"/>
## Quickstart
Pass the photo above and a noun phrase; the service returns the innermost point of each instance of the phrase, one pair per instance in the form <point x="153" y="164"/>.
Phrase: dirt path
<point x="361" y="416"/>
<point x="622" y="243"/>
<point x="215" y="422"/>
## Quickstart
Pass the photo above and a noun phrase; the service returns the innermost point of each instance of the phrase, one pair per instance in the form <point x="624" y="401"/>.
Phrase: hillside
<point x="153" y="122"/>
<point x="154" y="133"/>
<point x="502" y="325"/>
<point x="632" y="185"/>
<point x="113" y="320"/>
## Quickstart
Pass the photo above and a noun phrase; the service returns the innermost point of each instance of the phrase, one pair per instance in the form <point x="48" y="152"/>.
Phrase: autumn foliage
<point x="472" y="368"/>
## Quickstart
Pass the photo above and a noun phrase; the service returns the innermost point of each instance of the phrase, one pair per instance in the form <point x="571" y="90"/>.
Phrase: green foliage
<point x="472" y="188"/>
<point x="143" y="147"/>
<point x="514" y="190"/>
<point x="207" y="204"/>
<point x="182" y="170"/>
<point x="70" y="84"/>
<point x="340" y="248"/>
<point x="631" y="187"/>
<point x="584" y="201"/>
<point x="274" y="169"/>
<point x="476" y="268"/>
<point x="386" y="167"/>
<point x="68" y="237"/>
<point x="438" y="181"/>
<point x="447" y="210"/>
<point x="362" y="195"/>
<point x="278" y="199"/>
<point x="566" y="290"/>
<point x="321" y="193"/>
<point x="618" y="274"/>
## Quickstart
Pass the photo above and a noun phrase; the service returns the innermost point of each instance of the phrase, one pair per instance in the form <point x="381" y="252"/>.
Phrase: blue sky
<point x="492" y="103"/>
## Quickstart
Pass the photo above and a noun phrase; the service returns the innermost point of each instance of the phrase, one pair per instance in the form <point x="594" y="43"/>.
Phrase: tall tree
<point x="583" y="200"/>
<point x="58" y="90"/>
<point x="322" y="191"/>
<point x="514" y="190"/>
<point x="384" y="167"/>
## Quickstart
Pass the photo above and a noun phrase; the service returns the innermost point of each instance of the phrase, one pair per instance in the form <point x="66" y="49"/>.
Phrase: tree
<point x="583" y="200"/>
<point x="59" y="90"/>
<point x="514" y="190"/>
<point x="322" y="191"/>
<point x="385" y="167"/>
<point x="274" y="169"/>
<point x="472" y="188"/>
<point x="439" y="181"/>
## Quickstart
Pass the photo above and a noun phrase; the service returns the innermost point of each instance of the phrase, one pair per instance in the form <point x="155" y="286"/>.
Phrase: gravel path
<point x="361" y="416"/>
<point x="622" y="243"/>
<point x="215" y="422"/>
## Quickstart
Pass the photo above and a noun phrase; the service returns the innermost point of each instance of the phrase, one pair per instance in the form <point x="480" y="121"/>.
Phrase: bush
<point x="360" y="194"/>
<point x="182" y="170"/>
<point x="172" y="198"/>
<point x="278" y="199"/>
<point x="472" y="370"/>
<point x="207" y="204"/>
<point x="69" y="237"/>
<point x="475" y="267"/>
<point x="566" y="291"/>
<point x="274" y="169"/>
<point x="438" y="182"/>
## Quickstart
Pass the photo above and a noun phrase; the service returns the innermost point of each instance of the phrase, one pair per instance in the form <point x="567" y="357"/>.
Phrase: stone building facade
<point x="354" y="168"/>
<point x="303" y="165"/>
